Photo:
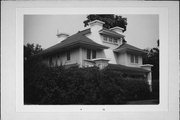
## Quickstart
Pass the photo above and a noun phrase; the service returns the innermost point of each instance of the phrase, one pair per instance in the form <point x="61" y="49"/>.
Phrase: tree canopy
<point x="152" y="57"/>
<point x="31" y="49"/>
<point x="110" y="20"/>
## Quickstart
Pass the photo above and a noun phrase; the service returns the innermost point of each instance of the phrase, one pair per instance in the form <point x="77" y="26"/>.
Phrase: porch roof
<point x="126" y="69"/>
<point x="77" y="40"/>
<point x="129" y="48"/>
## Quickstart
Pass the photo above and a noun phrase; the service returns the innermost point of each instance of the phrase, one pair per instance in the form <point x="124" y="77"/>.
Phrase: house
<point x="97" y="46"/>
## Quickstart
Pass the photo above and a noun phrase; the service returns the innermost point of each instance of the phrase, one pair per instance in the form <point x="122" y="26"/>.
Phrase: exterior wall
<point x="121" y="59"/>
<point x="134" y="64"/>
<point x="99" y="54"/>
<point x="62" y="59"/>
<point x="94" y="35"/>
<point x="125" y="59"/>
<point x="108" y="53"/>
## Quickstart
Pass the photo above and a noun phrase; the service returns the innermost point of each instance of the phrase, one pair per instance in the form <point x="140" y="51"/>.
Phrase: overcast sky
<point x="142" y="30"/>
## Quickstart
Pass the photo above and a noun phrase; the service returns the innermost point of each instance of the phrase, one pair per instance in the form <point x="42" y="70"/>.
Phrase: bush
<point x="155" y="89"/>
<point x="44" y="85"/>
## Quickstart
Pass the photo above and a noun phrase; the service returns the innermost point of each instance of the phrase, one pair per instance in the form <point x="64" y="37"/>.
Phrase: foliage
<point x="109" y="19"/>
<point x="30" y="50"/>
<point x="152" y="57"/>
<point x="45" y="85"/>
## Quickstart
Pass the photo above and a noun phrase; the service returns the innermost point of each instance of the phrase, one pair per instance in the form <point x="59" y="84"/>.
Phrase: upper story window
<point x="134" y="59"/>
<point x="91" y="54"/>
<point x="115" y="41"/>
<point x="110" y="40"/>
<point x="88" y="54"/>
<point x="105" y="38"/>
<point x="68" y="55"/>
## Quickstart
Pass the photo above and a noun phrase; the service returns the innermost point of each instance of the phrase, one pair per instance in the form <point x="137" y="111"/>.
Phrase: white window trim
<point x="134" y="59"/>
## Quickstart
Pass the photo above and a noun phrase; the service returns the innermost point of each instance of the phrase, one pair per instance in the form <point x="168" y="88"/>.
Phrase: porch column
<point x="80" y="57"/>
<point x="149" y="78"/>
<point x="149" y="75"/>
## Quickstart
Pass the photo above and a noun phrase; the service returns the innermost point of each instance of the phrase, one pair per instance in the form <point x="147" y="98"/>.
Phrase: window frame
<point x="134" y="59"/>
<point x="88" y="54"/>
<point x="105" y="38"/>
<point x="68" y="55"/>
<point x="93" y="54"/>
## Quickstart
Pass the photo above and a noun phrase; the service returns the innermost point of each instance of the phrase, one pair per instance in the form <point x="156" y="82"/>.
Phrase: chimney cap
<point x="96" y="21"/>
<point x="117" y="28"/>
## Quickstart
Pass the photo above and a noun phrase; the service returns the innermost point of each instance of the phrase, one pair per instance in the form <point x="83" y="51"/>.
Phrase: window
<point x="115" y="41"/>
<point x="134" y="59"/>
<point x="105" y="38"/>
<point x="68" y="55"/>
<point x="93" y="54"/>
<point x="110" y="39"/>
<point x="88" y="54"/>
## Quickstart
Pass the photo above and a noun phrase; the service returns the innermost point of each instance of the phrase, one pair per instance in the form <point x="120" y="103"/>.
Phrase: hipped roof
<point x="129" y="48"/>
<point x="77" y="40"/>
<point x="126" y="69"/>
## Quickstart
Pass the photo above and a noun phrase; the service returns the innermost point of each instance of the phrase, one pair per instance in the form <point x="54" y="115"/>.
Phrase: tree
<point x="30" y="50"/>
<point x="110" y="20"/>
<point x="152" y="57"/>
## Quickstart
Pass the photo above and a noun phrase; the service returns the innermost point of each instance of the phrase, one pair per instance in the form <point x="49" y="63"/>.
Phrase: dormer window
<point x="115" y="41"/>
<point x="105" y="38"/>
<point x="110" y="39"/>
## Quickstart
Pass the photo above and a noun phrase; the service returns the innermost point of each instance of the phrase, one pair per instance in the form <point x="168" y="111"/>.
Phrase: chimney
<point x="62" y="36"/>
<point x="96" y="24"/>
<point x="95" y="27"/>
<point x="117" y="29"/>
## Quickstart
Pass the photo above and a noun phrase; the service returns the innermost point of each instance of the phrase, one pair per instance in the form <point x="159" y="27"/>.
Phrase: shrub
<point x="44" y="85"/>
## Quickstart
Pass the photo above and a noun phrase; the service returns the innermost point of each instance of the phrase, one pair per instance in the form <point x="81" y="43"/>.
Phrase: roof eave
<point x="75" y="45"/>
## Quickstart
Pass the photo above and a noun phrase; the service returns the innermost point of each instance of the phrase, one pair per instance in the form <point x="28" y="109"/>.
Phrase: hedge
<point x="45" y="85"/>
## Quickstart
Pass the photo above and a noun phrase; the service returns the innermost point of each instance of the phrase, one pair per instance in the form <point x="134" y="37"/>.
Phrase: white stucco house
<point x="97" y="46"/>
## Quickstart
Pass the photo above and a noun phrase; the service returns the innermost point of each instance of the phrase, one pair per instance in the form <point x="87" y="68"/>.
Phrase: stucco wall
<point x="62" y="59"/>
<point x="125" y="59"/>
<point x="121" y="58"/>
<point x="106" y="53"/>
<point x="134" y="64"/>
<point x="99" y="54"/>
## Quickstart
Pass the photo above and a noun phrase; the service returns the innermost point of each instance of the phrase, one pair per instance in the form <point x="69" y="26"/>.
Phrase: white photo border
<point x="162" y="12"/>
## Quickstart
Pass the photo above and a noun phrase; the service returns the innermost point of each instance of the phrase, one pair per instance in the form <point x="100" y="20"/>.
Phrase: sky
<point x="142" y="30"/>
